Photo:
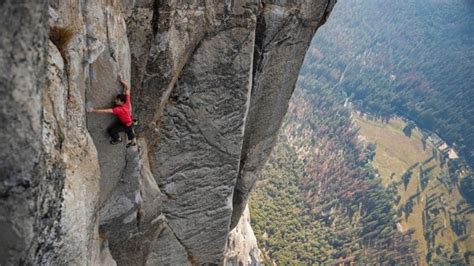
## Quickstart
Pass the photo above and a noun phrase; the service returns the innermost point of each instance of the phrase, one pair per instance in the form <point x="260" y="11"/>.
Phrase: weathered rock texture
<point x="23" y="52"/>
<point x="210" y="84"/>
<point x="242" y="248"/>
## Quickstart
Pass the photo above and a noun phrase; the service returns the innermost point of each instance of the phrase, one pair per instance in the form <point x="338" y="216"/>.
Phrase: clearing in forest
<point x="429" y="199"/>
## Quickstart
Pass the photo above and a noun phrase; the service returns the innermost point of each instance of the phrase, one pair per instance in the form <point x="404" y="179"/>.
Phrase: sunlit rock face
<point x="210" y="84"/>
<point x="242" y="247"/>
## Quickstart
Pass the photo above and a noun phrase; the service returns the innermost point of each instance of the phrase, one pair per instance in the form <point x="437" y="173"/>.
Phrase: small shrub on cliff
<point x="61" y="36"/>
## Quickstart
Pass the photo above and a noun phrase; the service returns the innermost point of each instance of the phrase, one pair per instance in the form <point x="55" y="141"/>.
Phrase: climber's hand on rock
<point x="126" y="88"/>
<point x="119" y="77"/>
<point x="90" y="109"/>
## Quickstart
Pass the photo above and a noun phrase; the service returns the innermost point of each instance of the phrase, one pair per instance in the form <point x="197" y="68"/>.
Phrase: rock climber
<point x="123" y="111"/>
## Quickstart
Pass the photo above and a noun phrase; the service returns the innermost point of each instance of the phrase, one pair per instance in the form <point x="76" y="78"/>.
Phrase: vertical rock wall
<point x="284" y="32"/>
<point x="199" y="124"/>
<point x="242" y="248"/>
<point x="25" y="212"/>
<point x="210" y="82"/>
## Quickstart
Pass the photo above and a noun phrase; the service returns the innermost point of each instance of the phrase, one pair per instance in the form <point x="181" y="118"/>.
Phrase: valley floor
<point x="429" y="200"/>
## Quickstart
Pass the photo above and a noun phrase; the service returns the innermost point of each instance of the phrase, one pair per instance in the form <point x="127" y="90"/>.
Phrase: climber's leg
<point x="114" y="131"/>
<point x="131" y="136"/>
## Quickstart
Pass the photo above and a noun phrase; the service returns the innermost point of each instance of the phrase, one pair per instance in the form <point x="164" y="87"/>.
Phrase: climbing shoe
<point x="115" y="141"/>
<point x="132" y="143"/>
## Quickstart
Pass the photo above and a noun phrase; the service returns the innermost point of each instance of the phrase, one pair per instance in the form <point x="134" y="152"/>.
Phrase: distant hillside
<point x="412" y="58"/>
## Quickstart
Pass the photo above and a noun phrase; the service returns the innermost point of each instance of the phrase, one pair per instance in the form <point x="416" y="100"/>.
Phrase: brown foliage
<point x="61" y="36"/>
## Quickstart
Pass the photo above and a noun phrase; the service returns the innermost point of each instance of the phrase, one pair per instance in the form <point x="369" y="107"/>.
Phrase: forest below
<point x="325" y="196"/>
<point x="409" y="58"/>
<point x="319" y="200"/>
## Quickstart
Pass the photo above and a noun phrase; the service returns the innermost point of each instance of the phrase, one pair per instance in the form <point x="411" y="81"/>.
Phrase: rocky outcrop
<point x="210" y="85"/>
<point x="284" y="32"/>
<point x="242" y="248"/>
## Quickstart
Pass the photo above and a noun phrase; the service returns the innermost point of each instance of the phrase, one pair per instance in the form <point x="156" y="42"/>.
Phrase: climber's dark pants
<point x="118" y="127"/>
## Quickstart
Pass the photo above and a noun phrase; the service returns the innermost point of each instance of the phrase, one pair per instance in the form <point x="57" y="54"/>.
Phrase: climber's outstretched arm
<point x="126" y="88"/>
<point x="102" y="111"/>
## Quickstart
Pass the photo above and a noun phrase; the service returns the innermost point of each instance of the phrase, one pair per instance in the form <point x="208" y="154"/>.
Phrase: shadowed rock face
<point x="22" y="75"/>
<point x="210" y="84"/>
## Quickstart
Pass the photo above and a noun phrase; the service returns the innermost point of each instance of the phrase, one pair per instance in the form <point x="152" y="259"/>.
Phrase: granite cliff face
<point x="210" y="84"/>
<point x="242" y="247"/>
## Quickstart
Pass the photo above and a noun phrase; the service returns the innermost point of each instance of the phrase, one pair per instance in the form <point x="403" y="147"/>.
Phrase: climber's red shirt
<point x="123" y="112"/>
